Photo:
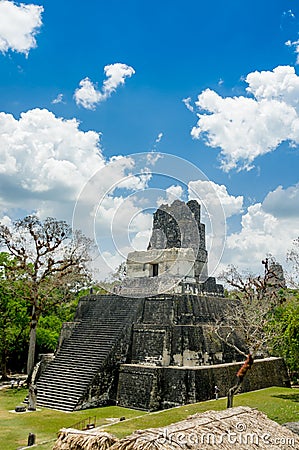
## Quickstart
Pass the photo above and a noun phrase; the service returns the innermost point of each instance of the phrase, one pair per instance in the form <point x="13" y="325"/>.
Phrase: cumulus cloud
<point x="283" y="203"/>
<point x="50" y="167"/>
<point x="266" y="228"/>
<point x="19" y="25"/>
<point x="245" y="128"/>
<point x="116" y="75"/>
<point x="88" y="95"/>
<point x="44" y="152"/>
<point x="122" y="226"/>
<point x="172" y="193"/>
<point x="215" y="195"/>
<point x="45" y="160"/>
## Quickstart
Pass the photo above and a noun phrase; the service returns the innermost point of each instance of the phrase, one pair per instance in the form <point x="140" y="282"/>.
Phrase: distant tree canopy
<point x="51" y="263"/>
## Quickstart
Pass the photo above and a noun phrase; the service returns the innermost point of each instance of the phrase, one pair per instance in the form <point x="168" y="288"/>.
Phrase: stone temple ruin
<point x="148" y="345"/>
<point x="176" y="259"/>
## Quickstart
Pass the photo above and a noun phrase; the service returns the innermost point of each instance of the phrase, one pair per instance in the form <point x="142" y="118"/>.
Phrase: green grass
<point x="280" y="404"/>
<point x="44" y="423"/>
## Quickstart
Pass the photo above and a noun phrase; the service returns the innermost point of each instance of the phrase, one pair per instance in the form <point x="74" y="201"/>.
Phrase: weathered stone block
<point x="154" y="388"/>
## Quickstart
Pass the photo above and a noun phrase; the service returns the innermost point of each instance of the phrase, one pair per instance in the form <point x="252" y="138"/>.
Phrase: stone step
<point x="69" y="381"/>
<point x="81" y="356"/>
<point x="89" y="355"/>
<point x="77" y="343"/>
<point x="54" y="392"/>
<point x="71" y="372"/>
<point x="76" y="365"/>
<point x="73" y="358"/>
<point x="62" y="406"/>
<point x="58" y="394"/>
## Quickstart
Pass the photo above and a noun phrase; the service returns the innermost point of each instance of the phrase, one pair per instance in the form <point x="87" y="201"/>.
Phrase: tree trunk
<point x="240" y="376"/>
<point x="232" y="391"/>
<point x="32" y="343"/>
<point x="4" y="376"/>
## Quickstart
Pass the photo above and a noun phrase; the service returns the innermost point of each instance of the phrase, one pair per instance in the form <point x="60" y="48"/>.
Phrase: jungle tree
<point x="253" y="306"/>
<point x="49" y="258"/>
<point x="13" y="314"/>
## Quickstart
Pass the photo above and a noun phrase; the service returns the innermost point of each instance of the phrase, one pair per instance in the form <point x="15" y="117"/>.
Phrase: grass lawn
<point x="280" y="404"/>
<point x="44" y="423"/>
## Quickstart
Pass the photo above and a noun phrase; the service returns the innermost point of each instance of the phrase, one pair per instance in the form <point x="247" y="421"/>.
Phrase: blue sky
<point x="81" y="83"/>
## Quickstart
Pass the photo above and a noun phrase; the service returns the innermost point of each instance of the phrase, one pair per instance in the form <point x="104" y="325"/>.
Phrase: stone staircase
<point x="81" y="357"/>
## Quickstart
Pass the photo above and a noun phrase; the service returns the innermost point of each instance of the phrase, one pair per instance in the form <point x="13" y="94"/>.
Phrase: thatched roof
<point x="240" y="428"/>
<point x="235" y="428"/>
<point x="71" y="439"/>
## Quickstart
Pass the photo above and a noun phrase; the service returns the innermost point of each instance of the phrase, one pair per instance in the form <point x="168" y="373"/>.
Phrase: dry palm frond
<point x="236" y="428"/>
<point x="69" y="439"/>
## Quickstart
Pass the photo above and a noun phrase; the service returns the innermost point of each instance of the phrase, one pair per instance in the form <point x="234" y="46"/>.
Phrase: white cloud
<point x="122" y="226"/>
<point x="283" y="203"/>
<point x="18" y="26"/>
<point x="159" y="138"/>
<point x="131" y="181"/>
<point x="88" y="95"/>
<point x="116" y="75"/>
<point x="45" y="159"/>
<point x="187" y="103"/>
<point x="267" y="228"/>
<point x="170" y="194"/>
<point x="289" y="13"/>
<point x="245" y="128"/>
<point x="214" y="195"/>
<point x="282" y="84"/>
<point x="58" y="99"/>
<point x="217" y="205"/>
<point x="294" y="44"/>
<point x="51" y="167"/>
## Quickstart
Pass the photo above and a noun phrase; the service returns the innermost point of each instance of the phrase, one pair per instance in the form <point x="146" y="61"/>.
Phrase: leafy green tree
<point x="13" y="315"/>
<point x="285" y="333"/>
<point x="50" y="323"/>
<point x="51" y="261"/>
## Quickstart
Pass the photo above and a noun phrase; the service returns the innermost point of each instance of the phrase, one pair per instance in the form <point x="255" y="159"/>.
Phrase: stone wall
<point x="177" y="262"/>
<point x="163" y="354"/>
<point x="179" y="345"/>
<point x="175" y="330"/>
<point x="154" y="388"/>
<point x="179" y="226"/>
<point x="184" y="309"/>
